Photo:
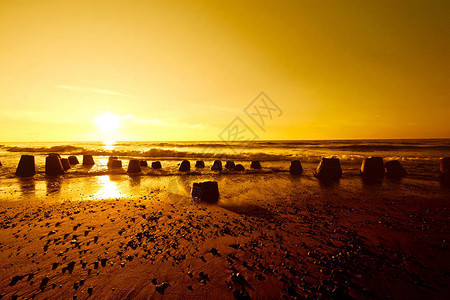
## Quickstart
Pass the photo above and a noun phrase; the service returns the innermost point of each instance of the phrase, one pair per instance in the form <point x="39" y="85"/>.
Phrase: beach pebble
<point x="44" y="282"/>
<point x="15" y="279"/>
<point x="161" y="287"/>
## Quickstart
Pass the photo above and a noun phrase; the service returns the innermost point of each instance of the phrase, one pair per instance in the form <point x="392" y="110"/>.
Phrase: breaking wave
<point x="258" y="150"/>
<point x="53" y="149"/>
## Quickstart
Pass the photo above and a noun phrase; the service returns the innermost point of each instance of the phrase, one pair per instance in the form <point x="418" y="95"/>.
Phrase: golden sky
<point x="183" y="70"/>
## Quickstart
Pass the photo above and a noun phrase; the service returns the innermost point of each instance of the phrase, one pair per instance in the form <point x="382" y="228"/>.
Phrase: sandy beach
<point x="269" y="236"/>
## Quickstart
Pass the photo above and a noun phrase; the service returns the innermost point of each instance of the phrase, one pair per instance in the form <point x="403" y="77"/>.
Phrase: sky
<point x="184" y="70"/>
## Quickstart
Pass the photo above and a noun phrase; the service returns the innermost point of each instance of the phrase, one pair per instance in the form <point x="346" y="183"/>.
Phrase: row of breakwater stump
<point x="328" y="168"/>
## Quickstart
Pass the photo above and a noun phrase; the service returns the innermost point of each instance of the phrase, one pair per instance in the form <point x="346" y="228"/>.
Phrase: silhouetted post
<point x="445" y="171"/>
<point x="88" y="160"/>
<point x="445" y="165"/>
<point x="134" y="166"/>
<point x="394" y="169"/>
<point x="206" y="191"/>
<point x="328" y="169"/>
<point x="65" y="163"/>
<point x="73" y="160"/>
<point x="200" y="164"/>
<point x="26" y="167"/>
<point x="53" y="166"/>
<point x="143" y="163"/>
<point x="296" y="167"/>
<point x="156" y="165"/>
<point x="255" y="165"/>
<point x="239" y="167"/>
<point x="229" y="165"/>
<point x="116" y="164"/>
<point x="217" y="166"/>
<point x="110" y="160"/>
<point x="372" y="167"/>
<point x="185" y="166"/>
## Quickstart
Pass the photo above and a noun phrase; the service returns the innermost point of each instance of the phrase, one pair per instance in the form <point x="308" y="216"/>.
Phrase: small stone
<point x="161" y="287"/>
<point x="44" y="282"/>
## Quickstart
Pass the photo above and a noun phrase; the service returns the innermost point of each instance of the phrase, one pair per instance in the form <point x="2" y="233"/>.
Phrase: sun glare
<point x="107" y="122"/>
<point x="109" y="189"/>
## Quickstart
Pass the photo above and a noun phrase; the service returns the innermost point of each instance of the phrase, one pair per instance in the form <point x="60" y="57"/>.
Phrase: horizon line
<point x="261" y="140"/>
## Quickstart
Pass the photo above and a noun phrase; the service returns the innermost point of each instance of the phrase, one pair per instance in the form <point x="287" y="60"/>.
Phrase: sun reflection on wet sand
<point x="108" y="190"/>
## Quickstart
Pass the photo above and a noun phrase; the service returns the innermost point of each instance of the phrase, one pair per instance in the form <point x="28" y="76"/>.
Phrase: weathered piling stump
<point x="65" y="163"/>
<point x="255" y="165"/>
<point x="26" y="167"/>
<point x="229" y="165"/>
<point x="110" y="160"/>
<point x="200" y="164"/>
<point x="53" y="166"/>
<point x="116" y="164"/>
<point x="394" y="169"/>
<point x="239" y="167"/>
<point x="134" y="166"/>
<point x="206" y="191"/>
<point x="372" y="167"/>
<point x="296" y="167"/>
<point x="88" y="160"/>
<point x="156" y="165"/>
<point x="217" y="166"/>
<point x="328" y="169"/>
<point x="185" y="166"/>
<point x="444" y="177"/>
<point x="445" y="165"/>
<point x="73" y="160"/>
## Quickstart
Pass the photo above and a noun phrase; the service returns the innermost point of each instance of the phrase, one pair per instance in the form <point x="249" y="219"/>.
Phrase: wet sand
<point x="270" y="236"/>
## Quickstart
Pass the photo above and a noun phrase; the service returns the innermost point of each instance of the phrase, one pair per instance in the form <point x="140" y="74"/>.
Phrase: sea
<point x="419" y="156"/>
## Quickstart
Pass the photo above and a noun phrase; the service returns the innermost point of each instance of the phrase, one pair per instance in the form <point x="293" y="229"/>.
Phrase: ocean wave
<point x="175" y="154"/>
<point x="215" y="153"/>
<point x="386" y="147"/>
<point x="60" y="149"/>
<point x="258" y="150"/>
<point x="331" y="144"/>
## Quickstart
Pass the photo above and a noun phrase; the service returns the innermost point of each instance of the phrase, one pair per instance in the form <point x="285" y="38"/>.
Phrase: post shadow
<point x="328" y="183"/>
<point x="135" y="180"/>
<point x="53" y="184"/>
<point x="27" y="185"/>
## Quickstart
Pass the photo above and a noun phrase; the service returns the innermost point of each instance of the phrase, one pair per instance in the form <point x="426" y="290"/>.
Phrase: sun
<point x="107" y="122"/>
